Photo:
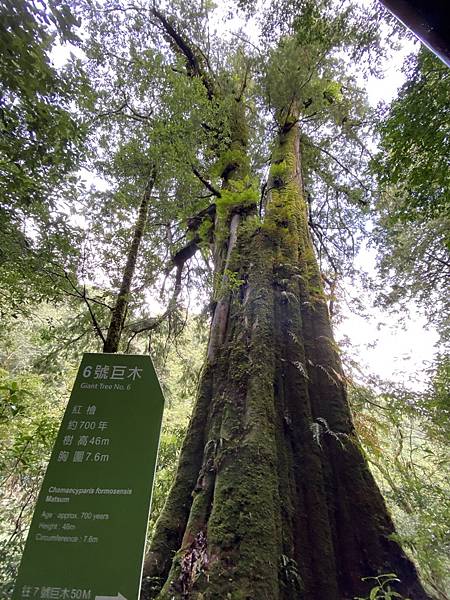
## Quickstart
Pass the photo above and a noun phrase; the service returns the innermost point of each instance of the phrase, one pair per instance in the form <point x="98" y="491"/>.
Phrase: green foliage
<point x="405" y="436"/>
<point x="415" y="142"/>
<point x="312" y="33"/>
<point x="413" y="212"/>
<point x="437" y="398"/>
<point x="228" y="283"/>
<point x="169" y="449"/>
<point x="205" y="231"/>
<point x="38" y="361"/>
<point x="148" y="115"/>
<point x="40" y="142"/>
<point x="39" y="134"/>
<point x="383" y="589"/>
<point x="30" y="410"/>
<point x="413" y="264"/>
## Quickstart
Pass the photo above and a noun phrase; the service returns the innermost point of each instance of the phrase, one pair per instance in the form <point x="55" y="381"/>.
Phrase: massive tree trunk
<point x="273" y="498"/>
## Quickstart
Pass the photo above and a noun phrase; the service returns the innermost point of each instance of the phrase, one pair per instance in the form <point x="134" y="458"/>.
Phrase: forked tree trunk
<point x="273" y="498"/>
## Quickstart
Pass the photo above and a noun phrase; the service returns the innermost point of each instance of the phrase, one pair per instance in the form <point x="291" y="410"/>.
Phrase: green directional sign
<point x="87" y="536"/>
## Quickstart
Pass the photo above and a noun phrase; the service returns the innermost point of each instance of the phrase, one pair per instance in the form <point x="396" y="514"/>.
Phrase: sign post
<point x="87" y="536"/>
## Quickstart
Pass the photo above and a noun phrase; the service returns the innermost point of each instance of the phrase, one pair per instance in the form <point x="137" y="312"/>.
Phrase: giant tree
<point x="273" y="497"/>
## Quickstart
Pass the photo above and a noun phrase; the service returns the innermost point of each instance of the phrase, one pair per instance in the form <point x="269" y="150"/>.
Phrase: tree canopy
<point x="413" y="209"/>
<point x="231" y="182"/>
<point x="40" y="144"/>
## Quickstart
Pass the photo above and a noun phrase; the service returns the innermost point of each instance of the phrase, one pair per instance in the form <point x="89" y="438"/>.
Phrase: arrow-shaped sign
<point x="112" y="476"/>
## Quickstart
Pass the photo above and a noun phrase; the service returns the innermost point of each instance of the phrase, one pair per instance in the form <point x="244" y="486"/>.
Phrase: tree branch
<point x="343" y="167"/>
<point x="181" y="45"/>
<point x="93" y="317"/>
<point x="206" y="183"/>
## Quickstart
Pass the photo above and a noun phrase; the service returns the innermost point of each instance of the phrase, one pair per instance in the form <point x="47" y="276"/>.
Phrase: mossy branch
<point x="206" y="183"/>
<point x="193" y="57"/>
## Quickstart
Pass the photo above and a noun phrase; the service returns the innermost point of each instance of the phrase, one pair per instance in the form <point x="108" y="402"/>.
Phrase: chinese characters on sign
<point x="95" y="497"/>
<point x="82" y="420"/>
<point x="116" y="372"/>
<point x="54" y="593"/>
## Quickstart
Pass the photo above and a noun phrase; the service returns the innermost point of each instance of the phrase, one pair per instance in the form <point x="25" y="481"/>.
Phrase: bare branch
<point x="206" y="183"/>
<point x="77" y="293"/>
<point x="93" y="317"/>
<point x="343" y="167"/>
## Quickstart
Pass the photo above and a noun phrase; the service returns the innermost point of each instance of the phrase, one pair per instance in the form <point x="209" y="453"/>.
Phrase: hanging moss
<point x="233" y="159"/>
<point x="204" y="231"/>
<point x="241" y="194"/>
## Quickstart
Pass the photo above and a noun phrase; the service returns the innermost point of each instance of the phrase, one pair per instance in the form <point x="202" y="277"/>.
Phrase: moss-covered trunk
<point x="273" y="498"/>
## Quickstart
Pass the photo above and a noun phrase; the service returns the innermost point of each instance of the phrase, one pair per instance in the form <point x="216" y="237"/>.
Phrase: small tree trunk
<point x="120" y="309"/>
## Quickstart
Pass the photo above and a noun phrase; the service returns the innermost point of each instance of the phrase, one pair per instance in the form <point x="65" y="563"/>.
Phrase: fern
<point x="301" y="368"/>
<point x="289" y="575"/>
<point x="327" y="373"/>
<point x="294" y="337"/>
<point x="320" y="426"/>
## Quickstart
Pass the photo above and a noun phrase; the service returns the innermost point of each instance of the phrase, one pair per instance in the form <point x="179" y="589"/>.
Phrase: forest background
<point x="374" y="177"/>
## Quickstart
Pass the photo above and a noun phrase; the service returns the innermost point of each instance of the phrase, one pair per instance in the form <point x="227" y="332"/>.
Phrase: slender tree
<point x="116" y="324"/>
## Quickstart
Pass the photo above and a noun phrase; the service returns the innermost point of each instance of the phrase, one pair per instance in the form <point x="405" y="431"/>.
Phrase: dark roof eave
<point x="428" y="20"/>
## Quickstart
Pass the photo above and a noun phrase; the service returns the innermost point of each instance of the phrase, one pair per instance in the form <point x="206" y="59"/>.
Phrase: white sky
<point x="390" y="351"/>
<point x="383" y="346"/>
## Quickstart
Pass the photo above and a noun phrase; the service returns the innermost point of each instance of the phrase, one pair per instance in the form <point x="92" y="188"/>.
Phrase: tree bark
<point x="273" y="498"/>
<point x="119" y="312"/>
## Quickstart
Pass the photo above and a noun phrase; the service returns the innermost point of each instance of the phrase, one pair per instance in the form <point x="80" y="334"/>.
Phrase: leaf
<point x="374" y="591"/>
